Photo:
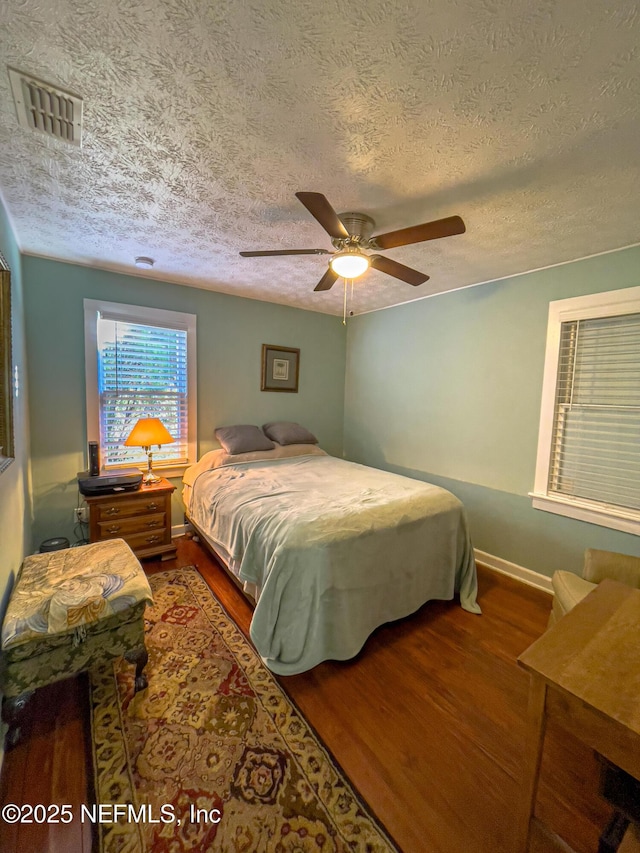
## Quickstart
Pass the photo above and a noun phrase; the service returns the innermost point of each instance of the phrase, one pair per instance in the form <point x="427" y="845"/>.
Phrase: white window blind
<point x="142" y="372"/>
<point x="588" y="464"/>
<point x="595" y="449"/>
<point x="6" y="389"/>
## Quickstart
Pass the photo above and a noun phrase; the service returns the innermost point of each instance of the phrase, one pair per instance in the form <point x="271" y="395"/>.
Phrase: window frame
<point x="144" y="316"/>
<point x="611" y="303"/>
<point x="6" y="367"/>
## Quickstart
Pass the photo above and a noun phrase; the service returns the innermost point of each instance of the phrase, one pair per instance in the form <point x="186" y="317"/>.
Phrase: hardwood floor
<point x="428" y="723"/>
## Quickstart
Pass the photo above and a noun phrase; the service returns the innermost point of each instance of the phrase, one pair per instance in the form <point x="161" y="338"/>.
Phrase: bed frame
<point x="219" y="555"/>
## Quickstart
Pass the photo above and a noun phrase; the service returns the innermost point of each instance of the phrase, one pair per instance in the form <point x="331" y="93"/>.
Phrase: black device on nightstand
<point x="124" y="480"/>
<point x="94" y="459"/>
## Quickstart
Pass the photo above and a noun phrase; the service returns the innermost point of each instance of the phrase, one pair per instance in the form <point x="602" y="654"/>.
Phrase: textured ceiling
<point x="202" y="119"/>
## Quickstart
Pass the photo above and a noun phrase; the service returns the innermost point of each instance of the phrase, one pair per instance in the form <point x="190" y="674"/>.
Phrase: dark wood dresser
<point x="142" y="519"/>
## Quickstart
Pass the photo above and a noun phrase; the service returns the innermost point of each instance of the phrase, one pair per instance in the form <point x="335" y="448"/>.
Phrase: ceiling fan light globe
<point x="349" y="264"/>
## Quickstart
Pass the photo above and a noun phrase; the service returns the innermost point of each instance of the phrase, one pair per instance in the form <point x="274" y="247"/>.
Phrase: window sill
<point x="170" y="472"/>
<point x="616" y="519"/>
<point x="5" y="461"/>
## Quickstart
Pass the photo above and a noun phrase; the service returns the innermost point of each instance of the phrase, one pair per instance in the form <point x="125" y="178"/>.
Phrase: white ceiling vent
<point x="49" y="109"/>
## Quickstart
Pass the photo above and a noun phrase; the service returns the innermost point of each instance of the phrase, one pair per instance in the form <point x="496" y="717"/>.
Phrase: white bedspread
<point x="335" y="549"/>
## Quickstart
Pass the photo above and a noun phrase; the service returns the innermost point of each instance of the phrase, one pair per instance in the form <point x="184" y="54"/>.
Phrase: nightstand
<point x="142" y="519"/>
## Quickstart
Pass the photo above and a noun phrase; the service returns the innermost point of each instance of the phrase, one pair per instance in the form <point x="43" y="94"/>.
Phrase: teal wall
<point x="448" y="390"/>
<point x="15" y="522"/>
<point x="230" y="331"/>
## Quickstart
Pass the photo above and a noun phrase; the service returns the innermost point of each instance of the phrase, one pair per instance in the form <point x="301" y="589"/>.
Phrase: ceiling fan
<point x="351" y="235"/>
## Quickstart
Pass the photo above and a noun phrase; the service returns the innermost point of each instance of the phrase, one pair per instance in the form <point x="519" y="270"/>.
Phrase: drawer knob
<point x="154" y="538"/>
<point x="152" y="505"/>
<point x="113" y="510"/>
<point x="154" y="523"/>
<point x="113" y="528"/>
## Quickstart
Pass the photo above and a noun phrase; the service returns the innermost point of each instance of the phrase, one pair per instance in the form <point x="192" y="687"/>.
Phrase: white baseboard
<point x="178" y="530"/>
<point x="514" y="570"/>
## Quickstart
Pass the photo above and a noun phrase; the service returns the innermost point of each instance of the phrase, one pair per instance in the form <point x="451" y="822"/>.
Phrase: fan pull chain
<point x="347" y="282"/>
<point x="344" y="304"/>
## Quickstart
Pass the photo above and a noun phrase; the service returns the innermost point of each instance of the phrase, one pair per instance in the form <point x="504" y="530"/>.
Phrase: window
<point x="140" y="362"/>
<point x="589" y="442"/>
<point x="6" y="385"/>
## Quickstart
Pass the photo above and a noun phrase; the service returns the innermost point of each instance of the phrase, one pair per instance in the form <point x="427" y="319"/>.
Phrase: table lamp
<point x="146" y="432"/>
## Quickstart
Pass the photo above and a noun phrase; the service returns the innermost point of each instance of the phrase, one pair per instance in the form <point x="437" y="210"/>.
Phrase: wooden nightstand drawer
<point x="123" y="527"/>
<point x="143" y="541"/>
<point x="123" y="507"/>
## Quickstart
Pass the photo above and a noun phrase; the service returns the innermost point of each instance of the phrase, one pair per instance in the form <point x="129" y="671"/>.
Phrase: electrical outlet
<point x="81" y="514"/>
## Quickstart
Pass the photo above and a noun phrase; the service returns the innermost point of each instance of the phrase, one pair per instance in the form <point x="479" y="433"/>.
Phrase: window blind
<point x="6" y="390"/>
<point x="142" y="372"/>
<point x="595" y="449"/>
<point x="5" y="399"/>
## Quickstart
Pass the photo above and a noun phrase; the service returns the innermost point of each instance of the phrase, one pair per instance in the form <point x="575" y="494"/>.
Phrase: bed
<point x="328" y="549"/>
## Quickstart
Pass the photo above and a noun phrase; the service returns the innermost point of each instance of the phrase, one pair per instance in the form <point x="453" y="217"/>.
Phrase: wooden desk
<point x="585" y="673"/>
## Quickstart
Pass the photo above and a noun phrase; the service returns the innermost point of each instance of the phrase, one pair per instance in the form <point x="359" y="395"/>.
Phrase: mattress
<point x="334" y="549"/>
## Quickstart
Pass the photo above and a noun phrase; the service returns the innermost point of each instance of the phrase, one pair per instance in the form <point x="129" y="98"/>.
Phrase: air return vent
<point x="46" y="108"/>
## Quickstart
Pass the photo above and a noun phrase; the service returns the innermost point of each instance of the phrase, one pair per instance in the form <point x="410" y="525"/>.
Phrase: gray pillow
<point x="286" y="432"/>
<point x="243" y="438"/>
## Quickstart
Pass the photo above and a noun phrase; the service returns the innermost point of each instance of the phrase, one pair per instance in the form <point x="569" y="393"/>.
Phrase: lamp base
<point x="149" y="477"/>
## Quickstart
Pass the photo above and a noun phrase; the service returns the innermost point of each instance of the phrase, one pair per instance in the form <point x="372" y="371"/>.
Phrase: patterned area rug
<point x="213" y="756"/>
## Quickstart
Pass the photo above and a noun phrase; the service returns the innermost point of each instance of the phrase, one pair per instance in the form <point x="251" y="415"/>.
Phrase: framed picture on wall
<point x="280" y="368"/>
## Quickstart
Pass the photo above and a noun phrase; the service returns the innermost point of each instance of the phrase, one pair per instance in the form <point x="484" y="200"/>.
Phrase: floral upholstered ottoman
<point x="68" y="611"/>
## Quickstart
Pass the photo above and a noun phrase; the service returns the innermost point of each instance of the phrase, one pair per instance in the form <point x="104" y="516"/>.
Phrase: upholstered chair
<point x="569" y="588"/>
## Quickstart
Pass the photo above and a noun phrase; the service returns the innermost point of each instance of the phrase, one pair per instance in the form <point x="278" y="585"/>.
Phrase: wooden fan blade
<point x="327" y="281"/>
<point x="391" y="267"/>
<point x="285" y="252"/>
<point x="419" y="233"/>
<point x="320" y="209"/>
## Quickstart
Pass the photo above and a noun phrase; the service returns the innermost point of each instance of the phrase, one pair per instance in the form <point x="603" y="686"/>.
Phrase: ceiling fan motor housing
<point x="360" y="228"/>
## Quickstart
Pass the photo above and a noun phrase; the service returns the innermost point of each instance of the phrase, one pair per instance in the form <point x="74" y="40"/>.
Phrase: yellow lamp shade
<point x="149" y="431"/>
